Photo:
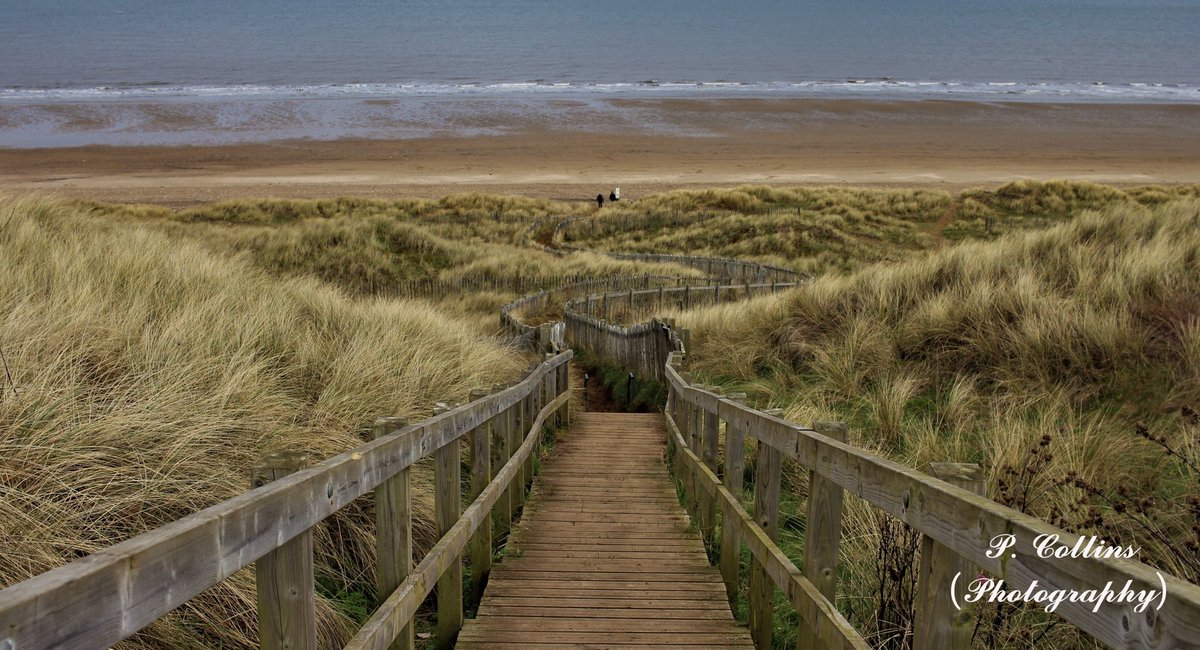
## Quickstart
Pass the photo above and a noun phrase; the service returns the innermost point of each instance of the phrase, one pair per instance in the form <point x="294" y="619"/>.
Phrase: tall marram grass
<point x="369" y="247"/>
<point x="1064" y="360"/>
<point x="149" y="373"/>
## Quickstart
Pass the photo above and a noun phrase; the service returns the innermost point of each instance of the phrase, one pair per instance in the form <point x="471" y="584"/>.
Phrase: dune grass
<point x="474" y="243"/>
<point x="148" y="374"/>
<point x="1064" y="361"/>
<point x="839" y="229"/>
<point x="155" y="354"/>
<point x="808" y="229"/>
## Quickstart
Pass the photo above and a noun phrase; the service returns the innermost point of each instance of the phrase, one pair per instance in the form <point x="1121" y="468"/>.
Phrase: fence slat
<point x="447" y="504"/>
<point x="287" y="606"/>
<point x="822" y="532"/>
<point x="393" y="531"/>
<point x="939" y="624"/>
<point x="481" y="475"/>
<point x="767" y="475"/>
<point x="735" y="468"/>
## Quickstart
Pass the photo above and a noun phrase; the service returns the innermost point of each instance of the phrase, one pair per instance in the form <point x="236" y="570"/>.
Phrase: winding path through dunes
<point x="605" y="556"/>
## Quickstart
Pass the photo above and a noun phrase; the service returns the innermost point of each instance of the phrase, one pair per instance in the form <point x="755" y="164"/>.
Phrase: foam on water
<point x="879" y="88"/>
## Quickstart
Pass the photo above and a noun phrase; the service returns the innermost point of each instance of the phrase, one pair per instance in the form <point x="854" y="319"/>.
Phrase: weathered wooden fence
<point x="110" y="595"/>
<point x="643" y="348"/>
<point x="528" y="335"/>
<point x="959" y="525"/>
<point x="723" y="268"/>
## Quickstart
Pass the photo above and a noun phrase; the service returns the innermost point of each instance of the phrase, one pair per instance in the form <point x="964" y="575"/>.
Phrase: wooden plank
<point x="110" y="595"/>
<point x="767" y="476"/>
<point x="523" y="645"/>
<point x="481" y="475"/>
<point x="735" y="469"/>
<point x="710" y="435"/>
<point x="393" y="532"/>
<point x="618" y="602"/>
<point x="503" y="515"/>
<point x="550" y="609"/>
<point x="822" y="533"/>
<point x="607" y="639"/>
<point x="940" y="623"/>
<point x="287" y="607"/>
<point x="587" y="569"/>
<point x="447" y="502"/>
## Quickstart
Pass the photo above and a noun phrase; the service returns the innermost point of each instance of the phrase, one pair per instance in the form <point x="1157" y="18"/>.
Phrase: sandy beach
<point x="649" y="145"/>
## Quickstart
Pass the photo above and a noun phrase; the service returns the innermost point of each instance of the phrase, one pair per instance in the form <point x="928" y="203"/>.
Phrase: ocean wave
<point x="881" y="88"/>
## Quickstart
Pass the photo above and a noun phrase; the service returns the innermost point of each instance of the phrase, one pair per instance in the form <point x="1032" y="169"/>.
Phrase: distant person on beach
<point x="615" y="195"/>
<point x="599" y="200"/>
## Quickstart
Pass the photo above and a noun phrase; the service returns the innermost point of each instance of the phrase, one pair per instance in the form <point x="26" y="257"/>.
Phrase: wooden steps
<point x="604" y="557"/>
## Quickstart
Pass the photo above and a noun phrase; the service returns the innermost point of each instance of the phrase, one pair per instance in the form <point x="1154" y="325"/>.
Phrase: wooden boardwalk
<point x="605" y="557"/>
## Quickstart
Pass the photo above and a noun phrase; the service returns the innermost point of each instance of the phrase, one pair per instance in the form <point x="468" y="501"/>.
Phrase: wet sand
<point x="672" y="143"/>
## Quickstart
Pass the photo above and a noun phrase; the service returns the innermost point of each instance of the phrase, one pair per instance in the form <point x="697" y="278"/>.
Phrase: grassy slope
<point x="369" y="247"/>
<point x="837" y="229"/>
<point x="149" y="373"/>
<point x="269" y="357"/>
<point x="1034" y="355"/>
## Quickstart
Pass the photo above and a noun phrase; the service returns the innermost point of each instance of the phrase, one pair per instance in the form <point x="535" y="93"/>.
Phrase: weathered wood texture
<point x="397" y="611"/>
<point x="965" y="523"/>
<point x="393" y="532"/>
<point x="822" y="531"/>
<point x="604" y="555"/>
<point x="108" y="596"/>
<point x="447" y="504"/>
<point x="481" y="475"/>
<point x="831" y="629"/>
<point x="642" y="348"/>
<point x="940" y="625"/>
<point x="287" y="607"/>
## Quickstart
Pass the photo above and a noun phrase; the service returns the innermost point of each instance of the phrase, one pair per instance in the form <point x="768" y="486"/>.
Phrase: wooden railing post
<point x="393" y="532"/>
<point x="938" y="623"/>
<point x="823" y="533"/>
<point x="516" y="437"/>
<point x="507" y="504"/>
<point x="287" y="605"/>
<point x="447" y="506"/>
<point x="481" y="475"/>
<point x="564" y="385"/>
<point x="767" y="474"/>
<point x="689" y="477"/>
<point x="735" y="469"/>
<point x="532" y="406"/>
<point x="710" y="439"/>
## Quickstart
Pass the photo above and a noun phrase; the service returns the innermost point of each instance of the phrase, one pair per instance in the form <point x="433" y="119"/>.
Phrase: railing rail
<point x="99" y="600"/>
<point x="529" y="335"/>
<point x="726" y="268"/>
<point x="642" y="348"/>
<point x="959" y="522"/>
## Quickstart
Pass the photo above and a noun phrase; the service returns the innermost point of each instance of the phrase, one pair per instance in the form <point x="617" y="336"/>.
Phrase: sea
<point x="100" y="71"/>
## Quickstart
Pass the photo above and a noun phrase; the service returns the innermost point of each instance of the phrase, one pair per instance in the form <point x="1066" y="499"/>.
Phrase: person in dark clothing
<point x="612" y="196"/>
<point x="599" y="200"/>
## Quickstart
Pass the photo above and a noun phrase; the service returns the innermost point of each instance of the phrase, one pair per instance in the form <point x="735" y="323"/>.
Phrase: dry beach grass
<point x="155" y="353"/>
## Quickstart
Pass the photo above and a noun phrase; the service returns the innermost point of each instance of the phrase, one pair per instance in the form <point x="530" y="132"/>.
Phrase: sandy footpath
<point x="691" y="143"/>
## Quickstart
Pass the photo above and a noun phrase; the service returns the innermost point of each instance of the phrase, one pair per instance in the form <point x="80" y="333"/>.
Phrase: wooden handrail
<point x="385" y="624"/>
<point x="965" y="523"/>
<point x="108" y="596"/>
<point x="832" y="629"/>
<point x="643" y="348"/>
